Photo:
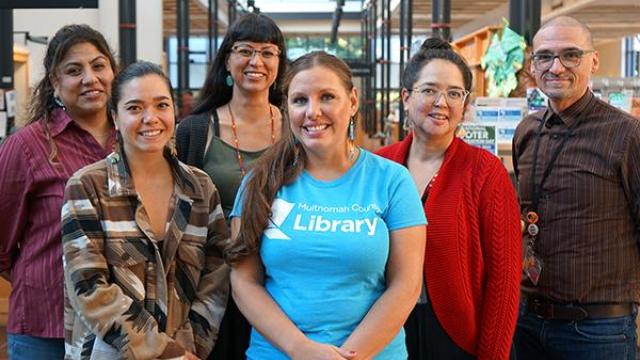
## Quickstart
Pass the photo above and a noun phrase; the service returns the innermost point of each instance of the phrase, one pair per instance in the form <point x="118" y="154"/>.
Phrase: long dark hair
<point x="281" y="164"/>
<point x="42" y="104"/>
<point x="431" y="49"/>
<point x="249" y="27"/>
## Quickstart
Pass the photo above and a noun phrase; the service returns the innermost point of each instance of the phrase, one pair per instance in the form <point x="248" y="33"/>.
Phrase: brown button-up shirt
<point x="139" y="294"/>
<point x="589" y="205"/>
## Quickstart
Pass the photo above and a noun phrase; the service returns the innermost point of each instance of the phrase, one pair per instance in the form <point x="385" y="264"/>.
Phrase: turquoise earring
<point x="229" y="80"/>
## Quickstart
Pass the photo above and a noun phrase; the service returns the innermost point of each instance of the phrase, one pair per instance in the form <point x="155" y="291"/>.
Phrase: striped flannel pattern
<point x="146" y="298"/>
<point x="589" y="205"/>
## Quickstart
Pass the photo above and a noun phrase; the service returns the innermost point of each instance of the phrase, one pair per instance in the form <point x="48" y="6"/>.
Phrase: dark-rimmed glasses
<point x="247" y="51"/>
<point x="453" y="97"/>
<point x="542" y="61"/>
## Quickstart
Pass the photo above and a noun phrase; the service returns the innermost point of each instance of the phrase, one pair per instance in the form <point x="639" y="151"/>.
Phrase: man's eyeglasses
<point x="453" y="97"/>
<point x="571" y="58"/>
<point x="248" y="52"/>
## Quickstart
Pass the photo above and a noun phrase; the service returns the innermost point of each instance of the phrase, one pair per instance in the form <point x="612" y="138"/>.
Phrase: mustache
<point x="552" y="76"/>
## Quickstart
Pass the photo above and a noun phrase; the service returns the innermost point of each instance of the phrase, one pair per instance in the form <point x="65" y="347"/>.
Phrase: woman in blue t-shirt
<point x="328" y="256"/>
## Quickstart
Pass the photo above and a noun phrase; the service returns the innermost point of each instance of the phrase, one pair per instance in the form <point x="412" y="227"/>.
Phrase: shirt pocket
<point x="127" y="259"/>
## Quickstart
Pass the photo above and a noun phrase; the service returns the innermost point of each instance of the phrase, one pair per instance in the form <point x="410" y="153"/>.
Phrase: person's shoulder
<point x="97" y="169"/>
<point x="192" y="120"/>
<point x="531" y="120"/>
<point x="380" y="160"/>
<point x="92" y="176"/>
<point x="195" y="118"/>
<point x="389" y="150"/>
<point x="25" y="136"/>
<point x="474" y="158"/>
<point x="617" y="115"/>
<point x="198" y="174"/>
<point x="201" y="178"/>
<point x="383" y="168"/>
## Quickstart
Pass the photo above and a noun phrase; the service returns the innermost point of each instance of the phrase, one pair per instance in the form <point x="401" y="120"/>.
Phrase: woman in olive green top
<point x="235" y="121"/>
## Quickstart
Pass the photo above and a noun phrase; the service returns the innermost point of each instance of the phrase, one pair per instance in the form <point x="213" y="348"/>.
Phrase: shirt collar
<point x="570" y="115"/>
<point x="60" y="121"/>
<point x="120" y="183"/>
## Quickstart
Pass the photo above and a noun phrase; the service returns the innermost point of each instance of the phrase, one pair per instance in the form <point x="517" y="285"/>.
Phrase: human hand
<point x="311" y="350"/>
<point x="190" y="356"/>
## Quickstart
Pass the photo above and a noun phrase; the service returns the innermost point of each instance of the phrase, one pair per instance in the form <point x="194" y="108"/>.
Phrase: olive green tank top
<point x="221" y="163"/>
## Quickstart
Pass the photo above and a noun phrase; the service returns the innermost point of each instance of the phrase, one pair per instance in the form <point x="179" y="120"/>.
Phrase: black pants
<point x="234" y="335"/>
<point x="427" y="340"/>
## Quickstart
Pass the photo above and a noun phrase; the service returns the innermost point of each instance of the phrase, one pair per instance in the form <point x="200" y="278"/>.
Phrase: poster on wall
<point x="480" y="135"/>
<point x="10" y="102"/>
<point x="509" y="120"/>
<point x="536" y="100"/>
<point x="3" y="125"/>
<point x="621" y="99"/>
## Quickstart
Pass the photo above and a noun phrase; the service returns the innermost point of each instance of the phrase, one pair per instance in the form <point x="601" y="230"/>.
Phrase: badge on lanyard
<point x="532" y="264"/>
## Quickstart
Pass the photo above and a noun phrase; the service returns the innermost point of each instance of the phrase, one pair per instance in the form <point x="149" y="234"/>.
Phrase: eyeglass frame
<point x="441" y="93"/>
<point x="555" y="56"/>
<point x="255" y="51"/>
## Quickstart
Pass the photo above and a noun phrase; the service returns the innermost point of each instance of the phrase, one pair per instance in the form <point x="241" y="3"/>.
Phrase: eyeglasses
<point x="248" y="52"/>
<point x="571" y="58"/>
<point x="453" y="97"/>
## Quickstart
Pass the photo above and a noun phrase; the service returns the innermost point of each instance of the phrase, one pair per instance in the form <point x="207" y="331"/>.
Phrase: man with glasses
<point x="578" y="168"/>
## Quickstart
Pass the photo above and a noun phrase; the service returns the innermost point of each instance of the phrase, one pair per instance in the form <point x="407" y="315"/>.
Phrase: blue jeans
<point x="589" y="339"/>
<point x="31" y="347"/>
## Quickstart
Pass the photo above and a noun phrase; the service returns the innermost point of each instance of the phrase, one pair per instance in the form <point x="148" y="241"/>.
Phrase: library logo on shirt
<point x="310" y="219"/>
<point x="280" y="210"/>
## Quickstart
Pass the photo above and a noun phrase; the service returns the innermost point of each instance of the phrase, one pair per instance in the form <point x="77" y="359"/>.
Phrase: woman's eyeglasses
<point x="248" y="52"/>
<point x="453" y="97"/>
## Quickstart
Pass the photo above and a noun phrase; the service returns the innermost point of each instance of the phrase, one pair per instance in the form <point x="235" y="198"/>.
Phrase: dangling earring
<point x="352" y="137"/>
<point x="229" y="80"/>
<point x="58" y="102"/>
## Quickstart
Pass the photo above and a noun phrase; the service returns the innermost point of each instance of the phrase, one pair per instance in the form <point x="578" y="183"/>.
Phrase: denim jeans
<point x="589" y="339"/>
<point x="31" y="347"/>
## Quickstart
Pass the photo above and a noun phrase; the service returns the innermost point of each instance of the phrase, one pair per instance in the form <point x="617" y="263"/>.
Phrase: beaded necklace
<point x="236" y="143"/>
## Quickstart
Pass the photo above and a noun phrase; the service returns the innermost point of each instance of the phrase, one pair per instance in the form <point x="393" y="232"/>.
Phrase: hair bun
<point x="435" y="44"/>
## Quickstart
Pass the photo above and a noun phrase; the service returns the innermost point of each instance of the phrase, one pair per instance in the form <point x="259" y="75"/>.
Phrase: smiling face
<point x="435" y="119"/>
<point x="145" y="115"/>
<point x="320" y="107"/>
<point x="83" y="80"/>
<point x="564" y="86"/>
<point x="251" y="66"/>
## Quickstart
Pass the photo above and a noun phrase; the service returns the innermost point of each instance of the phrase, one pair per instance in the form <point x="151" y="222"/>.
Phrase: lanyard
<point x="537" y="190"/>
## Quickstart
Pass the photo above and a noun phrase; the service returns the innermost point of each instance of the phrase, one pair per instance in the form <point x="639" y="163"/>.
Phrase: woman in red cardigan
<point x="469" y="305"/>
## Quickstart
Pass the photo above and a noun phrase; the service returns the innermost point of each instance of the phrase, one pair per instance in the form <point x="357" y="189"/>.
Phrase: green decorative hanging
<point x="501" y="62"/>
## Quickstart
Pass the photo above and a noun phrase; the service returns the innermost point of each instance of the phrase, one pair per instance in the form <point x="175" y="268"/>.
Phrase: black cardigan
<point x="191" y="139"/>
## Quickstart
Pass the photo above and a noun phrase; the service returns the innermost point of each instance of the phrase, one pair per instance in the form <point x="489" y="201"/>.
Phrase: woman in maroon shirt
<point x="69" y="128"/>
<point x="472" y="262"/>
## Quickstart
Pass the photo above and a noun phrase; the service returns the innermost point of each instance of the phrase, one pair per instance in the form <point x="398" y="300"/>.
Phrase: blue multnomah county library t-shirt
<point x="326" y="249"/>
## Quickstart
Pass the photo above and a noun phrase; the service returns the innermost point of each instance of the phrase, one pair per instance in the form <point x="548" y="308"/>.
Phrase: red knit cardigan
<point x="473" y="255"/>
